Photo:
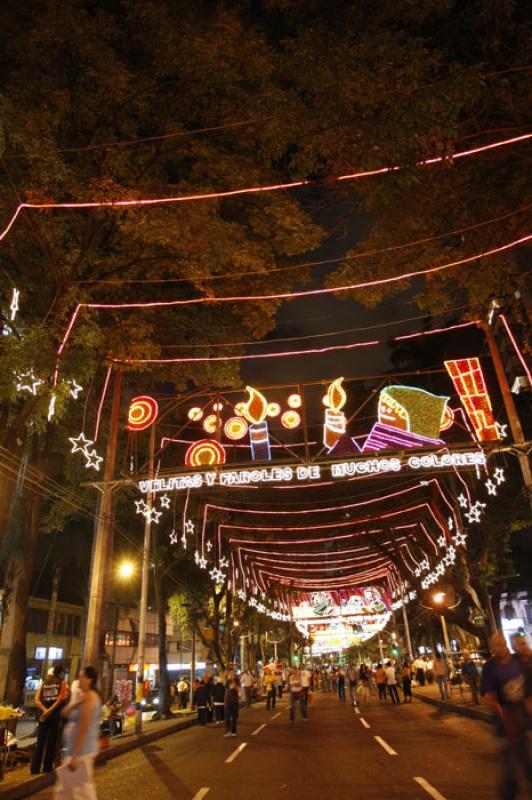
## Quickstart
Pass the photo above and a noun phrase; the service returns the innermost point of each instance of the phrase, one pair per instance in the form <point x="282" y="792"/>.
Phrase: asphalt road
<point x="338" y="754"/>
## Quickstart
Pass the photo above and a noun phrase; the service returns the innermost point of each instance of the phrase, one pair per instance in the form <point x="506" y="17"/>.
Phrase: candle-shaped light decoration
<point x="255" y="412"/>
<point x="335" y="422"/>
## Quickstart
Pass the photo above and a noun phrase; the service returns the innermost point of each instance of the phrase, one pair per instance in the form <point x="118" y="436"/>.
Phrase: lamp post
<point x="439" y="599"/>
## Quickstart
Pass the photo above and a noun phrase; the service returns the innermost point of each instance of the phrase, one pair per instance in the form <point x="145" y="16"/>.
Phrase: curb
<point x="463" y="711"/>
<point x="46" y="780"/>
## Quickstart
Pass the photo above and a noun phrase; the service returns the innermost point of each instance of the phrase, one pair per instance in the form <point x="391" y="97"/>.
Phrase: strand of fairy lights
<point x="284" y="295"/>
<point x="290" y="353"/>
<point x="261" y="189"/>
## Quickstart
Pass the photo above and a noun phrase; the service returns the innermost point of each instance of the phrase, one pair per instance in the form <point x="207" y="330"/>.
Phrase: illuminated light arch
<point x="205" y="452"/>
<point x="236" y="428"/>
<point x="290" y="419"/>
<point x="142" y="413"/>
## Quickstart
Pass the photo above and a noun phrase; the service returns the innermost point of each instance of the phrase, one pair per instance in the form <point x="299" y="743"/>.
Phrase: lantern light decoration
<point x="290" y="419"/>
<point x="195" y="414"/>
<point x="255" y="413"/>
<point x="468" y="379"/>
<point x="210" y="423"/>
<point x="273" y="409"/>
<point x="294" y="400"/>
<point x="205" y="453"/>
<point x="335" y="421"/>
<point x="142" y="413"/>
<point x="235" y="428"/>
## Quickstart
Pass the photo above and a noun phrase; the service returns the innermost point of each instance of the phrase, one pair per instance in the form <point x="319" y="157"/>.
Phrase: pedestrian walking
<point x="391" y="682"/>
<point x="296" y="695"/>
<point x="218" y="701"/>
<point x="341" y="684"/>
<point x="271" y="689"/>
<point x="406" y="680"/>
<point x="50" y="698"/>
<point x="363" y="682"/>
<point x="201" y="702"/>
<point x="441" y="674"/>
<point x="380" y="680"/>
<point x="419" y="666"/>
<point x="247" y="685"/>
<point x="81" y="740"/>
<point x="470" y="676"/>
<point x="507" y="692"/>
<point x="352" y="679"/>
<point x="232" y="706"/>
<point x="306" y="683"/>
<point x="182" y="693"/>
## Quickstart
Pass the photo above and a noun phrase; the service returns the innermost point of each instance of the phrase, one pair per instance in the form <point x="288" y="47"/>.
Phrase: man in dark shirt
<point x="50" y="698"/>
<point x="504" y="688"/>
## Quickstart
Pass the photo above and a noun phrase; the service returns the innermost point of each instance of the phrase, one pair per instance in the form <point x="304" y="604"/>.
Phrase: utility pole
<point x="145" y="579"/>
<point x="511" y="411"/>
<point x="193" y="664"/>
<point x="100" y="580"/>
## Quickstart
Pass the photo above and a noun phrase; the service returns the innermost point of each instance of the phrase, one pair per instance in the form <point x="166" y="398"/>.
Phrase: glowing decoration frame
<point x="206" y="452"/>
<point x="468" y="379"/>
<point x="255" y="412"/>
<point x="235" y="428"/>
<point x="143" y="412"/>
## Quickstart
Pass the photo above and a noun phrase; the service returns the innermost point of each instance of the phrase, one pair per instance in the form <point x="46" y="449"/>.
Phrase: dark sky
<point x="324" y="313"/>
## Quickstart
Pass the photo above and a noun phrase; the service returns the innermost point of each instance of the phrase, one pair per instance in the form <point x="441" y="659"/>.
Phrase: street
<point x="335" y="755"/>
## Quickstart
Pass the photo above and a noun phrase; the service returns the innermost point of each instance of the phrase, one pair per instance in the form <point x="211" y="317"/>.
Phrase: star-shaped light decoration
<point x="261" y="608"/>
<point x="209" y="545"/>
<point x="459" y="538"/>
<point x="141" y="506"/>
<point x="442" y="541"/>
<point x="173" y="537"/>
<point x="189" y="526"/>
<point x="27" y="382"/>
<point x="184" y="541"/>
<point x="202" y="563"/>
<point x="502" y="430"/>
<point x="242" y="595"/>
<point x="417" y="572"/>
<point x="440" y="569"/>
<point x="93" y="460"/>
<point x="252" y="602"/>
<point x="498" y="476"/>
<point x="425" y="583"/>
<point x="462" y="499"/>
<point x="14" y="305"/>
<point x="450" y="556"/>
<point x="51" y="407"/>
<point x="196" y="557"/>
<point x="450" y="523"/>
<point x="80" y="443"/>
<point x="475" y="512"/>
<point x="164" y="501"/>
<point x="217" y="575"/>
<point x="490" y="486"/>
<point x="76" y="389"/>
<point x="152" y="515"/>
<point x="224" y="563"/>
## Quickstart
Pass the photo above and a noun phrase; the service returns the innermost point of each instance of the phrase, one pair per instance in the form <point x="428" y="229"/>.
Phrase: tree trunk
<point x="160" y="608"/>
<point x="18" y="585"/>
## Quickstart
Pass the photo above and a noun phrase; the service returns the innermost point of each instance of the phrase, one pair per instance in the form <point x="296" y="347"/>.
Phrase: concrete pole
<point x="192" y="665"/>
<point x="145" y="579"/>
<point x="446" y="642"/>
<point x="407" y="632"/>
<point x="509" y="405"/>
<point x="101" y="570"/>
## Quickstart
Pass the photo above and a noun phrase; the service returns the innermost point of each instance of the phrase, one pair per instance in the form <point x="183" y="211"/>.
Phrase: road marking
<point x="430" y="789"/>
<point x="364" y="723"/>
<point x="276" y="715"/>
<point x="385" y="746"/>
<point x="236" y="752"/>
<point x="201" y="794"/>
<point x="357" y="710"/>
<point x="259" y="729"/>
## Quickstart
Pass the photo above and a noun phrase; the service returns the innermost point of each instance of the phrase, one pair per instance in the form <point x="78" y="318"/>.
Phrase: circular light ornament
<point x="195" y="414"/>
<point x="273" y="409"/>
<point x="235" y="428"/>
<point x="210" y="423"/>
<point x="240" y="408"/>
<point x="205" y="453"/>
<point x="447" y="419"/>
<point x="217" y="406"/>
<point x="294" y="401"/>
<point x="290" y="420"/>
<point x="325" y="400"/>
<point x="142" y="413"/>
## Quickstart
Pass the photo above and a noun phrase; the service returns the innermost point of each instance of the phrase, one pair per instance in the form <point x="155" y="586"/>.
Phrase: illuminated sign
<point x="468" y="379"/>
<point x="314" y="472"/>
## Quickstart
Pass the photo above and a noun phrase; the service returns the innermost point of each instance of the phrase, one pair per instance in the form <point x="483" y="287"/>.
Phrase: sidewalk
<point x="19" y="783"/>
<point x="459" y="702"/>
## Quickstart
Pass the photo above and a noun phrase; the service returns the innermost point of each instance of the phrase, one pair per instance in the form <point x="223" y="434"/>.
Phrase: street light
<point x="125" y="570"/>
<point x="439" y="599"/>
